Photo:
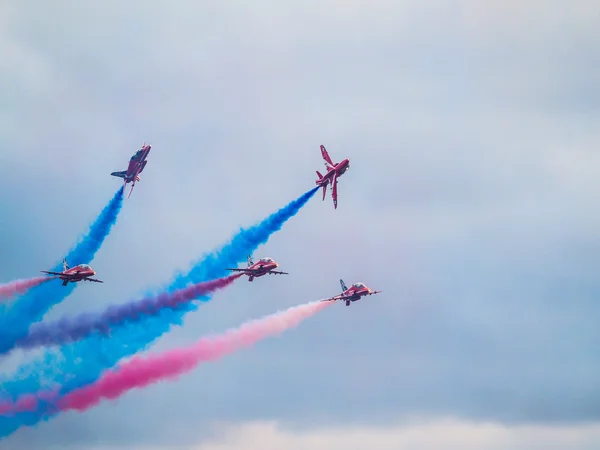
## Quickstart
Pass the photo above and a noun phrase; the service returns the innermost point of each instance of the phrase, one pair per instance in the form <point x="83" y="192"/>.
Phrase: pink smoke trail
<point x="21" y="286"/>
<point x="140" y="372"/>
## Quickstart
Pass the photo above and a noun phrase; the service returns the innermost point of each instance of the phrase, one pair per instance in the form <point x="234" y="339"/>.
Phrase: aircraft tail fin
<point x="250" y="262"/>
<point x="319" y="175"/>
<point x="121" y="174"/>
<point x="65" y="265"/>
<point x="343" y="285"/>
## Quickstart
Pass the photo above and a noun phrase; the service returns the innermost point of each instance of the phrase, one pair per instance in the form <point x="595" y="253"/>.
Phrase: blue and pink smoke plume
<point x="18" y="287"/>
<point x="83" y="362"/>
<point x="143" y="371"/>
<point x="16" y="320"/>
<point x="70" y="329"/>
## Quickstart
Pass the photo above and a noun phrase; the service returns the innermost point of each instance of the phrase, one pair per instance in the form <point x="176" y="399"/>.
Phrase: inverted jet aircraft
<point x="136" y="165"/>
<point x="334" y="171"/>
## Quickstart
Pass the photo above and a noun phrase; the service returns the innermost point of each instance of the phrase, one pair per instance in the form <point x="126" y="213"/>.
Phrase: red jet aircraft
<point x="262" y="267"/>
<point x="82" y="272"/>
<point x="334" y="171"/>
<point x="356" y="291"/>
<point x="136" y="166"/>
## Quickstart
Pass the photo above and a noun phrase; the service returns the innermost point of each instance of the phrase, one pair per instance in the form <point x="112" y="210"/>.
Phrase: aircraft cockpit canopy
<point x="267" y="260"/>
<point x="359" y="285"/>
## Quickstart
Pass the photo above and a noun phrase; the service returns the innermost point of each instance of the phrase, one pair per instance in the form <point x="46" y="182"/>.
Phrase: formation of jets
<point x="264" y="266"/>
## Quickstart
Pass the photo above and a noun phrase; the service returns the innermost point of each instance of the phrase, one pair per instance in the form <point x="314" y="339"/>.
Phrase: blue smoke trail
<point x="16" y="319"/>
<point x="85" y="361"/>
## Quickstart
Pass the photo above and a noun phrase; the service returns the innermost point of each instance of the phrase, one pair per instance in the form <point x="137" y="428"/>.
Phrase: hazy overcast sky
<point x="471" y="201"/>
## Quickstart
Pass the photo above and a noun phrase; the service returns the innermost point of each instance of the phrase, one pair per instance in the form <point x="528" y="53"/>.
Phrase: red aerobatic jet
<point x="136" y="166"/>
<point x="334" y="171"/>
<point x="356" y="291"/>
<point x="82" y="272"/>
<point x="258" y="269"/>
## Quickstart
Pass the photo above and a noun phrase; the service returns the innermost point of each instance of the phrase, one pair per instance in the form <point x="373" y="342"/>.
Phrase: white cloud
<point x="532" y="21"/>
<point x="439" y="435"/>
<point x="443" y="435"/>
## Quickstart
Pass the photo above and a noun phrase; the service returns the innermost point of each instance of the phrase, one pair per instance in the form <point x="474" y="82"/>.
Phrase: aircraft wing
<point x="326" y="155"/>
<point x="51" y="273"/>
<point x="374" y="292"/>
<point x="251" y="271"/>
<point x="332" y="299"/>
<point x="94" y="280"/>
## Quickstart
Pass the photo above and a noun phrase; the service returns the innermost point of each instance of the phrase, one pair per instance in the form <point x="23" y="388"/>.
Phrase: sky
<point x="471" y="129"/>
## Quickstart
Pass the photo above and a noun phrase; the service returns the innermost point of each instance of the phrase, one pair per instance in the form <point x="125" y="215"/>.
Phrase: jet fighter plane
<point x="136" y="165"/>
<point x="356" y="291"/>
<point x="82" y="272"/>
<point x="334" y="171"/>
<point x="257" y="269"/>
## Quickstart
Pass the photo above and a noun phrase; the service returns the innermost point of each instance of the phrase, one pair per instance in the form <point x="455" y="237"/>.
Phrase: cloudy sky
<point x="472" y="129"/>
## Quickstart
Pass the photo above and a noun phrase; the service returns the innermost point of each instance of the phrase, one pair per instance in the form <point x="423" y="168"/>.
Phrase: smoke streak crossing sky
<point x="143" y="371"/>
<point x="70" y="329"/>
<point x="68" y="371"/>
<point x="15" y="322"/>
<point x="18" y="287"/>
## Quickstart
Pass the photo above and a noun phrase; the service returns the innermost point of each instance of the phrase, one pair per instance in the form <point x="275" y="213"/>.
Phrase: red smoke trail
<point x="21" y="286"/>
<point x="140" y="372"/>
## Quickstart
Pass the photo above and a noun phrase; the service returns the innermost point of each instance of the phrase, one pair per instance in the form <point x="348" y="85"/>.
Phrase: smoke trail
<point x="15" y="322"/>
<point x="16" y="287"/>
<point x="245" y="242"/>
<point x="75" y="328"/>
<point x="140" y="372"/>
<point x="101" y="354"/>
